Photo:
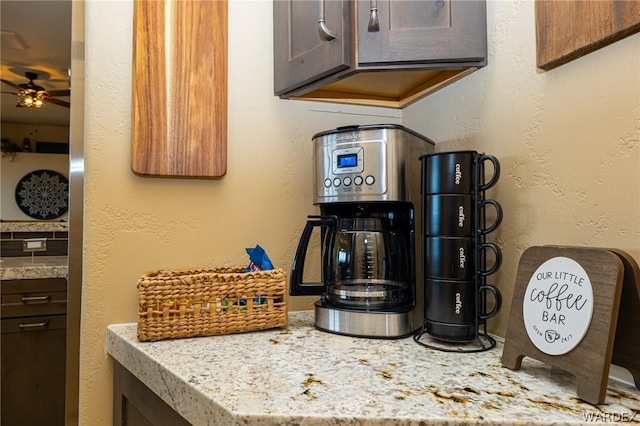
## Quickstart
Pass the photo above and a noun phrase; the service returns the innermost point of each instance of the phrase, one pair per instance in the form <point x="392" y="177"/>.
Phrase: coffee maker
<point x="367" y="185"/>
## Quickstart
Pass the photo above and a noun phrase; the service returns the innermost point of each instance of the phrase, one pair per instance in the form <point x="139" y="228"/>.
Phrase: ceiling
<point x="36" y="37"/>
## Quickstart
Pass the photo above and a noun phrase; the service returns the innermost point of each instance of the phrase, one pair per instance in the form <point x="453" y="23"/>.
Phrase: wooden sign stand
<point x="613" y="334"/>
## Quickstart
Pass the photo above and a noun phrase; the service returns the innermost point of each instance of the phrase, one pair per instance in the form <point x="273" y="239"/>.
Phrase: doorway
<point x="46" y="38"/>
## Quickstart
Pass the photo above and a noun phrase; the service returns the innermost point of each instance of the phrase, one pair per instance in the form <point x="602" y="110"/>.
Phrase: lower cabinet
<point x="134" y="404"/>
<point x="33" y="370"/>
<point x="33" y="352"/>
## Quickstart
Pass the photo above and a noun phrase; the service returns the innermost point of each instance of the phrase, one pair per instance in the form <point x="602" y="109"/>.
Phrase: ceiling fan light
<point x="31" y="99"/>
<point x="27" y="101"/>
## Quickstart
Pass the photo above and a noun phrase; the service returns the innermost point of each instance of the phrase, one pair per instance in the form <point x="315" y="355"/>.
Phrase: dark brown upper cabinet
<point x="375" y="52"/>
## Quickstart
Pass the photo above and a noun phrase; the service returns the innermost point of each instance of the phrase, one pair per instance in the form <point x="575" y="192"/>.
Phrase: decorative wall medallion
<point x="558" y="305"/>
<point x="43" y="194"/>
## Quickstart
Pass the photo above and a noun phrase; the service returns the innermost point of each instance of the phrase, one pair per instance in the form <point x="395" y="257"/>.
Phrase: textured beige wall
<point x="567" y="141"/>
<point x="134" y="224"/>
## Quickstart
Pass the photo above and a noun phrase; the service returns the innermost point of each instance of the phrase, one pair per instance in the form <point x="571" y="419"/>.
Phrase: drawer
<point x="23" y="298"/>
<point x="34" y="324"/>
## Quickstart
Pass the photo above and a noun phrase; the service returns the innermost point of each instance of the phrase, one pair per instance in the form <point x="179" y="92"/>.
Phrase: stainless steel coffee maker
<point x="367" y="185"/>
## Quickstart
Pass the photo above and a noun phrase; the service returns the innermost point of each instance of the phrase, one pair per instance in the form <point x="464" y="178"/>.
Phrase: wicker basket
<point x="207" y="302"/>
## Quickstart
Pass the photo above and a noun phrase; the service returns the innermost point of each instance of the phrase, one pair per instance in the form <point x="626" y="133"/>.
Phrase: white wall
<point x="567" y="140"/>
<point x="134" y="224"/>
<point x="12" y="169"/>
<point x="16" y="132"/>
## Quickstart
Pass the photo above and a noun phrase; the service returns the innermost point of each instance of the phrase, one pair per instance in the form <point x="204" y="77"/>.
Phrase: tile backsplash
<point x="12" y="235"/>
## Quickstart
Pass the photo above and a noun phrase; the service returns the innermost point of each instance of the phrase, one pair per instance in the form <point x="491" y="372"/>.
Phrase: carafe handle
<point x="297" y="287"/>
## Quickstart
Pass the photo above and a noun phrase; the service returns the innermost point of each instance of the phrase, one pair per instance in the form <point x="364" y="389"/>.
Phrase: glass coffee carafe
<point x="367" y="260"/>
<point x="367" y="263"/>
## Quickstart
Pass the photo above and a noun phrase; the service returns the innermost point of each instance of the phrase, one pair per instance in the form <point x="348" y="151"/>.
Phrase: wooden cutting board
<point x="569" y="29"/>
<point x="179" y="102"/>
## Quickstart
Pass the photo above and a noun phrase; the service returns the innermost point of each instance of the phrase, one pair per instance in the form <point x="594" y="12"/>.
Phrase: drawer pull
<point x="34" y="325"/>
<point x="374" y="24"/>
<point x="325" y="33"/>
<point x="36" y="299"/>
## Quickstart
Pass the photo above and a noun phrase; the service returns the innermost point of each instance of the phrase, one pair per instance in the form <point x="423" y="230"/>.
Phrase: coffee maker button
<point x="347" y="181"/>
<point x="370" y="180"/>
<point x="358" y="180"/>
<point x="336" y="182"/>
<point x="327" y="183"/>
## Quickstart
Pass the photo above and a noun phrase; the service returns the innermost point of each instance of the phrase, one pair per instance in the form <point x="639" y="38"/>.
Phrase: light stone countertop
<point x="37" y="267"/>
<point x="34" y="226"/>
<point x="300" y="375"/>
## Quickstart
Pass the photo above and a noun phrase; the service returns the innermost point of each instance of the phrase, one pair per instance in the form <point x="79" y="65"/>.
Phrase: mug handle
<point x="498" y="221"/>
<point x="498" y="260"/>
<point x="498" y="297"/>
<point x="496" y="171"/>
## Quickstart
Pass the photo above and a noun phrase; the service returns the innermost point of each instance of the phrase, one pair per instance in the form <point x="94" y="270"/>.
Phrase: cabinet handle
<point x="34" y="325"/>
<point x="325" y="33"/>
<point x="36" y="299"/>
<point x="374" y="25"/>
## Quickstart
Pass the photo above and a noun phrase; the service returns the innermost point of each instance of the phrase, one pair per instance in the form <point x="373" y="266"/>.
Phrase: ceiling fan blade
<point x="59" y="92"/>
<point x="10" y="93"/>
<point x="59" y="102"/>
<point x="7" y="82"/>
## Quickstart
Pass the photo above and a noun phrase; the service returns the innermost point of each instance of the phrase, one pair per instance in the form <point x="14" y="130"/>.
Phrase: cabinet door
<point x="33" y="370"/>
<point x="134" y="404"/>
<point x="438" y="31"/>
<point x="301" y="54"/>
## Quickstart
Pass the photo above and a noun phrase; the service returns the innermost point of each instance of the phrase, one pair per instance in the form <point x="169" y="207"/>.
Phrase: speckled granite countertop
<point x="299" y="375"/>
<point x="27" y="268"/>
<point x="38" y="267"/>
<point x="33" y="226"/>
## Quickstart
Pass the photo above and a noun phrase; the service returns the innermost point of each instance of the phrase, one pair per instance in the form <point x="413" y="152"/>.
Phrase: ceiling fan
<point x="33" y="96"/>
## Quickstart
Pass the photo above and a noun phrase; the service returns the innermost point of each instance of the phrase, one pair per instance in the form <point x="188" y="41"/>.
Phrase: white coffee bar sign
<point x="558" y="305"/>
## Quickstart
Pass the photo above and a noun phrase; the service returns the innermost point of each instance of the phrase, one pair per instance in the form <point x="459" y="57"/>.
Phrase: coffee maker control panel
<point x="356" y="164"/>
<point x="353" y="170"/>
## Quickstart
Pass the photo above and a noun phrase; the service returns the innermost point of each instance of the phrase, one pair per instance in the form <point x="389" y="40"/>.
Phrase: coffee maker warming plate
<point x="375" y="324"/>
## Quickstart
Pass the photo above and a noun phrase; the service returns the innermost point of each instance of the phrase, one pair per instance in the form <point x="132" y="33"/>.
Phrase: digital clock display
<point x="348" y="160"/>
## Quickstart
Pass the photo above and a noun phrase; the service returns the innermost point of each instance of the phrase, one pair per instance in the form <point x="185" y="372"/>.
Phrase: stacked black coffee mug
<point x="457" y="259"/>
